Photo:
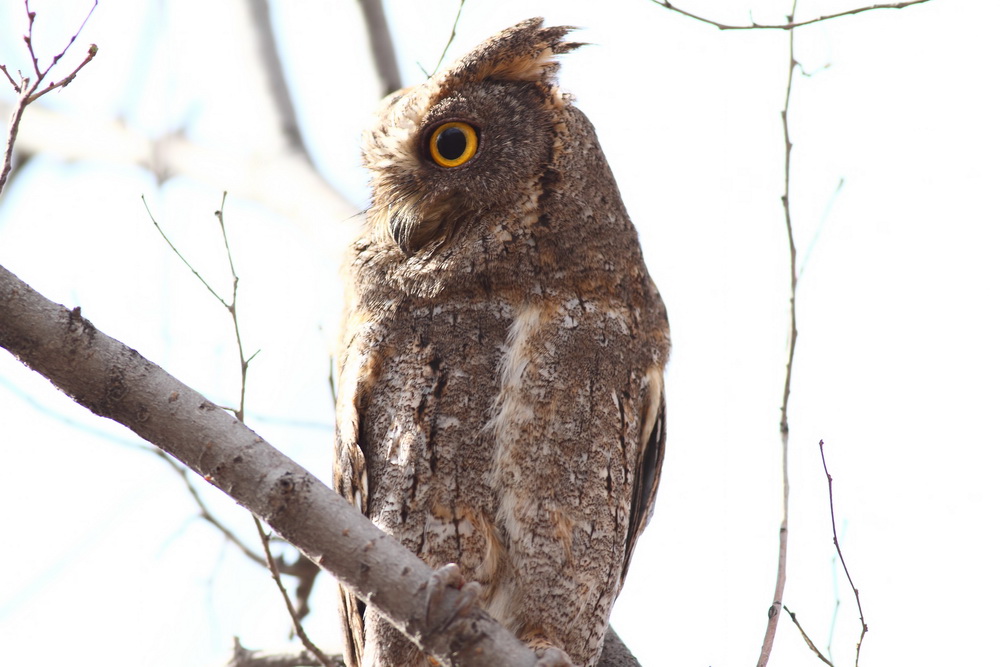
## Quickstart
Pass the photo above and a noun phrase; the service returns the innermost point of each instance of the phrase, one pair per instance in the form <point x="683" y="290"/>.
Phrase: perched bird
<point x="500" y="375"/>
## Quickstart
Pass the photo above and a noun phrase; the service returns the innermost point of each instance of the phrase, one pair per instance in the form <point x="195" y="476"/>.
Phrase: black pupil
<point x="451" y="143"/>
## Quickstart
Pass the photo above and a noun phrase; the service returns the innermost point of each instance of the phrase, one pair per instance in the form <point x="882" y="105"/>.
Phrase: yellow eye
<point x="453" y="144"/>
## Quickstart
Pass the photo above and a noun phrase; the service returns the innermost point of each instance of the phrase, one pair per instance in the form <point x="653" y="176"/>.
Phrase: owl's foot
<point x="552" y="657"/>
<point x="549" y="655"/>
<point x="440" y="614"/>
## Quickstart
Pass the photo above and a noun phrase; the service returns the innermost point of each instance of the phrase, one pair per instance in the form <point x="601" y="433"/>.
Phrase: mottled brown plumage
<point x="501" y="373"/>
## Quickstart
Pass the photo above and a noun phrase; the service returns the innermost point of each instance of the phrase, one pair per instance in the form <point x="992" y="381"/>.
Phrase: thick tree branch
<point x="115" y="381"/>
<point x="615" y="653"/>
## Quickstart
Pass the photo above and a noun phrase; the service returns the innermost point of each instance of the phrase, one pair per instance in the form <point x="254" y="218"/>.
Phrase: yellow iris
<point x="453" y="144"/>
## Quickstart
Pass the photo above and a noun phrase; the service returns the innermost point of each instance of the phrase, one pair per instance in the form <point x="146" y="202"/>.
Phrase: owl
<point x="500" y="373"/>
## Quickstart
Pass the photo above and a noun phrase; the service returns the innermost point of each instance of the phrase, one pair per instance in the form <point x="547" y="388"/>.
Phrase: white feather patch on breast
<point x="510" y="408"/>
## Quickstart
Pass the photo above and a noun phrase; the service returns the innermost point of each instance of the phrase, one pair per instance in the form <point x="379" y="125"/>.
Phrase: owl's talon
<point x="552" y="657"/>
<point x="437" y="614"/>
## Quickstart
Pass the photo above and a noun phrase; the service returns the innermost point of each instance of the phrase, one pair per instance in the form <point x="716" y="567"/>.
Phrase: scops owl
<point x="501" y="366"/>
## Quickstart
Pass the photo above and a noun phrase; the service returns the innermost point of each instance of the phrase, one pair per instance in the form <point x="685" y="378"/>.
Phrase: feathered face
<point x="473" y="139"/>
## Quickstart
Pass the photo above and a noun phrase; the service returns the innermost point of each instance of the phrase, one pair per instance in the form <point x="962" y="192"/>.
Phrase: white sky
<point x="896" y="368"/>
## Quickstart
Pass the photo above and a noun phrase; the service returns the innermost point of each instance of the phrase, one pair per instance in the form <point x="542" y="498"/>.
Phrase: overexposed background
<point x="896" y="369"/>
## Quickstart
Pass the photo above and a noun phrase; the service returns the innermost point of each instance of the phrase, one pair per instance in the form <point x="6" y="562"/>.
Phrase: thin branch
<point x="27" y="92"/>
<point x="265" y="539"/>
<point x="302" y="568"/>
<point x="792" y="254"/>
<point x="15" y="84"/>
<point x="205" y="513"/>
<point x="65" y="81"/>
<point x="231" y="307"/>
<point x="12" y="127"/>
<point x="41" y="74"/>
<point x="380" y="42"/>
<point x="451" y="38"/>
<point x="840" y="554"/>
<point x="181" y="255"/>
<point x="809" y="642"/>
<point x="305" y="585"/>
<point x="774" y="611"/>
<point x="791" y="24"/>
<point x="28" y="41"/>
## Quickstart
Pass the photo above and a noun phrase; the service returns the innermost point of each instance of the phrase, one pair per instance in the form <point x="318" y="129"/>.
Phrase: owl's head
<point x="470" y="140"/>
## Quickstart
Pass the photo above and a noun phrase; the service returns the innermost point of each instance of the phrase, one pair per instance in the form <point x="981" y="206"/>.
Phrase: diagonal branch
<point x="451" y="38"/>
<point x="115" y="381"/>
<point x="293" y="613"/>
<point x="840" y="554"/>
<point x="808" y="640"/>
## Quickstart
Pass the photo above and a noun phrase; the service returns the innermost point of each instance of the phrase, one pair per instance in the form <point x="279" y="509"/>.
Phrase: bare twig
<point x="41" y="74"/>
<point x="308" y="573"/>
<point x="380" y="42"/>
<point x="809" y="642"/>
<point x="840" y="554"/>
<point x="13" y="83"/>
<point x="65" y="81"/>
<point x="231" y="307"/>
<point x="12" y="126"/>
<point x="793" y="332"/>
<point x="265" y="539"/>
<point x="774" y="611"/>
<point x="181" y="255"/>
<point x="791" y="24"/>
<point x="451" y="38"/>
<point x="205" y="513"/>
<point x="301" y="568"/>
<point x="27" y="91"/>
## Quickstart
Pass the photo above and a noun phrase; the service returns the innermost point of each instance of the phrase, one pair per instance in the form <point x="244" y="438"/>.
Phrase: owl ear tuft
<point x="523" y="52"/>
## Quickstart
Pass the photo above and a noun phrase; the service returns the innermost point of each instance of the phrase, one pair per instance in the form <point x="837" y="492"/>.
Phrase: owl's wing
<point x="352" y="615"/>
<point x="649" y="463"/>
<point x="350" y="476"/>
<point x="351" y="481"/>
